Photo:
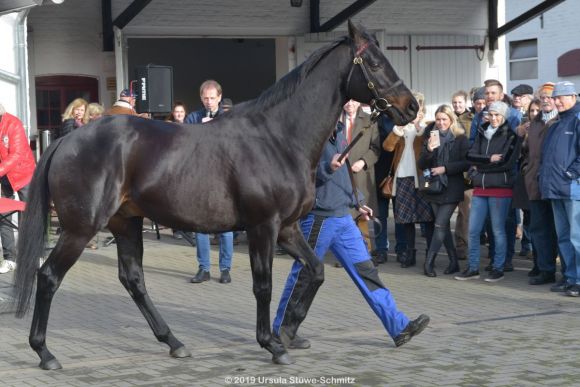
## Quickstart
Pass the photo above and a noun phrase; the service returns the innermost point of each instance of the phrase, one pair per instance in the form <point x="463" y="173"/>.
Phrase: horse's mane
<point x="288" y="84"/>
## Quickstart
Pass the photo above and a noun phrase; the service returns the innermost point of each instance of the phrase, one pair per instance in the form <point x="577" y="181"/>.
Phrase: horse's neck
<point x="317" y="104"/>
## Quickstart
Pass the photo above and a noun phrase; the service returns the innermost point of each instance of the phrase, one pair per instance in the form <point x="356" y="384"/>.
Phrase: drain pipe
<point x="22" y="92"/>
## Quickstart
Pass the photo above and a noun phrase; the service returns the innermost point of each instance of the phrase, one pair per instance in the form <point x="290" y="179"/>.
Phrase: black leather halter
<point x="377" y="103"/>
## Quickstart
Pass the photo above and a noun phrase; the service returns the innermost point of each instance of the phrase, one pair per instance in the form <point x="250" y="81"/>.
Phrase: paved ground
<point x="503" y="334"/>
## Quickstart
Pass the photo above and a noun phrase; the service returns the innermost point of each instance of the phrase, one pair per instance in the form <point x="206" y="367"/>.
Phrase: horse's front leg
<point x="261" y="241"/>
<point x="303" y="282"/>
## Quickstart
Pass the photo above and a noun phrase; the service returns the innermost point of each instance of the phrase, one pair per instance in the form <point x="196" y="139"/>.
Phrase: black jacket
<point x="494" y="175"/>
<point x="455" y="167"/>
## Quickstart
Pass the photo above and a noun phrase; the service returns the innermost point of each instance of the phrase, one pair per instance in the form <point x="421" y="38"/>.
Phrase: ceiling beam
<point x="338" y="19"/>
<point x="129" y="14"/>
<point x="107" y="19"/>
<point x="495" y="32"/>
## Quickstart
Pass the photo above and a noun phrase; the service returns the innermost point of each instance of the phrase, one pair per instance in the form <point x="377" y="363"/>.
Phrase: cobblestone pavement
<point x="503" y="334"/>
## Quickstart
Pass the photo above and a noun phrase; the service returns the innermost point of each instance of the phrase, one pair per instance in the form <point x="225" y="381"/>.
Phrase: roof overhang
<point x="9" y="6"/>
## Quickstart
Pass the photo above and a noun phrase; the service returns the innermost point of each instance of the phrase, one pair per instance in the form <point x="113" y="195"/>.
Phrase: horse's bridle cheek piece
<point x="378" y="103"/>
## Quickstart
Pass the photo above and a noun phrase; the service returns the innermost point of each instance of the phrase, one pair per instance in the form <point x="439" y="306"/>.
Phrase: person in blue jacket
<point x="330" y="226"/>
<point x="560" y="181"/>
<point x="210" y="93"/>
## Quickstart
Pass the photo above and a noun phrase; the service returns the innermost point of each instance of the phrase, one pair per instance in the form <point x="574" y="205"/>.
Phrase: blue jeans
<point x="382" y="238"/>
<point x="341" y="236"/>
<point x="567" y="221"/>
<point x="226" y="250"/>
<point x="498" y="209"/>
<point x="510" y="232"/>
<point x="543" y="233"/>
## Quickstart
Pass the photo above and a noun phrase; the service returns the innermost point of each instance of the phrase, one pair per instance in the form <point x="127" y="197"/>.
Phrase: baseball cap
<point x="564" y="88"/>
<point x="127" y="93"/>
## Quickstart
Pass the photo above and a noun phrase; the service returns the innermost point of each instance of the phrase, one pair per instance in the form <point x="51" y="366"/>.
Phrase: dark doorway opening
<point x="54" y="93"/>
<point x="244" y="67"/>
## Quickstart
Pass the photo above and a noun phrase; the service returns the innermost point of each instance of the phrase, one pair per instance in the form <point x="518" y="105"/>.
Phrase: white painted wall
<point x="557" y="33"/>
<point x="66" y="39"/>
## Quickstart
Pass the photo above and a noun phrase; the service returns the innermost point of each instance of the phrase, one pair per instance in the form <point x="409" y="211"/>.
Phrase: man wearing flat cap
<point x="522" y="96"/>
<point x="560" y="181"/>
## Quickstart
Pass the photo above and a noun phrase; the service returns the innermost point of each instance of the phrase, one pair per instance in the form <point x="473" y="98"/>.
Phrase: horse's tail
<point x="32" y="232"/>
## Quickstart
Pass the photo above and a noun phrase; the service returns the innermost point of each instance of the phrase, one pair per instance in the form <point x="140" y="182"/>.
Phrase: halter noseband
<point x="377" y="103"/>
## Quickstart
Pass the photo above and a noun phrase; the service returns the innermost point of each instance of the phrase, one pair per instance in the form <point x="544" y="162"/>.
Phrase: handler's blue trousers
<point x="344" y="239"/>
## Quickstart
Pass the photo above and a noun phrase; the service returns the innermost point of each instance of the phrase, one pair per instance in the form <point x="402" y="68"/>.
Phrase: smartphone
<point x="435" y="141"/>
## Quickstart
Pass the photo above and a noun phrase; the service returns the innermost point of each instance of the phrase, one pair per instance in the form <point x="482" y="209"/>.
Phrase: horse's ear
<point x="355" y="34"/>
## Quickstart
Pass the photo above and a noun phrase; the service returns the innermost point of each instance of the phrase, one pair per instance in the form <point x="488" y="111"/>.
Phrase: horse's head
<point x="372" y="79"/>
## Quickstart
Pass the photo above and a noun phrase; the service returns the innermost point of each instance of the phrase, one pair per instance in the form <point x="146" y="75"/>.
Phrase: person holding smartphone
<point x="444" y="155"/>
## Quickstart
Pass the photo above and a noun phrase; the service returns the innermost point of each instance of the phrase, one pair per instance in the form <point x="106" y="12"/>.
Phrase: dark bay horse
<point x="251" y="169"/>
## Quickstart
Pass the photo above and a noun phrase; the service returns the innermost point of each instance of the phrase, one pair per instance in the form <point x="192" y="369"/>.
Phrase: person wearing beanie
<point x="478" y="100"/>
<point x="16" y="168"/>
<point x="493" y="93"/>
<point x="492" y="157"/>
<point x="541" y="227"/>
<point x="560" y="181"/>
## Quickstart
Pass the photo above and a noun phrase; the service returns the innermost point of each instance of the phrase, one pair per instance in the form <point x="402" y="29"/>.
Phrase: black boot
<point x="411" y="258"/>
<point x="401" y="256"/>
<point x="453" y="262"/>
<point x="429" y="265"/>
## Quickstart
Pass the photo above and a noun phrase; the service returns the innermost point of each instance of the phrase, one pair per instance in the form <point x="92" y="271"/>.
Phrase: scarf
<point x="489" y="132"/>
<point x="446" y="140"/>
<point x="549" y="115"/>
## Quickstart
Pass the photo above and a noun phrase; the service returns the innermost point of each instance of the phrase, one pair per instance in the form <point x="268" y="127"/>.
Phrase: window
<point x="54" y="93"/>
<point x="523" y="58"/>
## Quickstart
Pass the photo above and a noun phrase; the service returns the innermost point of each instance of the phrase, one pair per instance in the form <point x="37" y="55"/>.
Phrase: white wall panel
<point x="399" y="59"/>
<point x="439" y="73"/>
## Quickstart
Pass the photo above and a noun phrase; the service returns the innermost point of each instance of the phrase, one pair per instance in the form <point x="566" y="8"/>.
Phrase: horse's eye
<point x="374" y="66"/>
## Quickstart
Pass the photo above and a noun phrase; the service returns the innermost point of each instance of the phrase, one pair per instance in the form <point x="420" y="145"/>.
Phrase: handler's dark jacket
<point x="494" y="175"/>
<point x="333" y="188"/>
<point x="456" y="165"/>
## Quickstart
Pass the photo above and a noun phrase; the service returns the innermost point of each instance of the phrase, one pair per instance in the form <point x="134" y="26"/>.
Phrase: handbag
<point x="430" y="184"/>
<point x="387" y="187"/>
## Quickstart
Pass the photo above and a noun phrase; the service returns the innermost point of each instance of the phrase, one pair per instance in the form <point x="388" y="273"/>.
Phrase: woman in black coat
<point x="444" y="157"/>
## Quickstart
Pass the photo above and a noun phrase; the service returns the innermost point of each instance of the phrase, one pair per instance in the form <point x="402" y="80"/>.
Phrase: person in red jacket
<point x="16" y="168"/>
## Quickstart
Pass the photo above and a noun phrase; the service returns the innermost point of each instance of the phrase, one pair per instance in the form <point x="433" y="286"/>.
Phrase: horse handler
<point x="330" y="226"/>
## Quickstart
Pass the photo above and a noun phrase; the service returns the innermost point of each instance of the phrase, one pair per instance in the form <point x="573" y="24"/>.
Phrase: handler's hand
<point x="335" y="164"/>
<point x="366" y="212"/>
<point x="496" y="158"/>
<point x="358" y="166"/>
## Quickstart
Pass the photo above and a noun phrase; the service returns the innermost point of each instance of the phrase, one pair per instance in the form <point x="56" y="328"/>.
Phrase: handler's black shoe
<point x="225" y="277"/>
<point x="200" y="277"/>
<point x="296" y="343"/>
<point x="413" y="329"/>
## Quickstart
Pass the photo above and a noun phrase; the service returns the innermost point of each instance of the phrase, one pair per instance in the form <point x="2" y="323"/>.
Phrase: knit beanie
<point x="499" y="107"/>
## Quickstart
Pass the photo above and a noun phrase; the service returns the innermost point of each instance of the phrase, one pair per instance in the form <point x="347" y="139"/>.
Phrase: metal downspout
<point x="23" y="104"/>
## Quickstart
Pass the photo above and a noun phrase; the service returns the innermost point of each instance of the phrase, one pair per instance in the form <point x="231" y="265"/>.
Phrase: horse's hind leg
<point x="66" y="252"/>
<point x="307" y="276"/>
<point x="261" y="240"/>
<point x="129" y="238"/>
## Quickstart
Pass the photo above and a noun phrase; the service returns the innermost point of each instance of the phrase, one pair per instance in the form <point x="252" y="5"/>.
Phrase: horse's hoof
<point x="50" y="365"/>
<point x="180" y="352"/>
<point x="284" y="359"/>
